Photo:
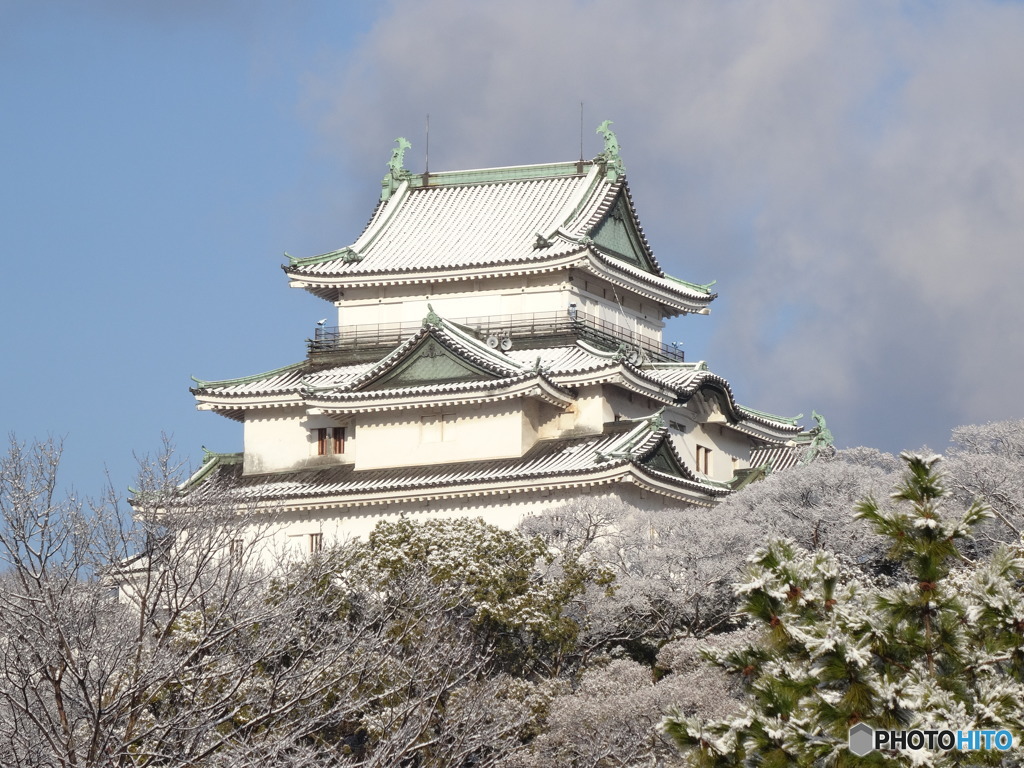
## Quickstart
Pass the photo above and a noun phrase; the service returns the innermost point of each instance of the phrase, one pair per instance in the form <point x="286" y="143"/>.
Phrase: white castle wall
<point x="502" y="296"/>
<point x="292" y="534"/>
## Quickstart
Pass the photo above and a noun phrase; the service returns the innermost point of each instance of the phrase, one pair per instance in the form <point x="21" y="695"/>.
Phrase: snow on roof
<point x="521" y="217"/>
<point x="550" y="464"/>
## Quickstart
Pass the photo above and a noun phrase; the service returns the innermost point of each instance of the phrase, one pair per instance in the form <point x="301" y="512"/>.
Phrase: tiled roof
<point x="528" y="216"/>
<point x="460" y="226"/>
<point x="465" y="345"/>
<point x="549" y="464"/>
<point x="526" y="384"/>
<point x="779" y="457"/>
<point x="559" y="367"/>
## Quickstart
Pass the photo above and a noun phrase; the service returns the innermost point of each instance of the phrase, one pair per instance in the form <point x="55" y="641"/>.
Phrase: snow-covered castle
<point x="498" y="350"/>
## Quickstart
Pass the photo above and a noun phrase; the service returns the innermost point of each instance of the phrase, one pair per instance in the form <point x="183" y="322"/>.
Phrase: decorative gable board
<point x="710" y="404"/>
<point x="429" y="363"/>
<point x="663" y="460"/>
<point x="617" y="234"/>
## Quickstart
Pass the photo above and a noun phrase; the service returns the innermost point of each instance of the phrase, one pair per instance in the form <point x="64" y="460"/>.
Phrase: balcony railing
<point x="526" y="330"/>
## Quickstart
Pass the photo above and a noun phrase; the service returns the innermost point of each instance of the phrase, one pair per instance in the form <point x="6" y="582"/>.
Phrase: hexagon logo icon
<point x="862" y="739"/>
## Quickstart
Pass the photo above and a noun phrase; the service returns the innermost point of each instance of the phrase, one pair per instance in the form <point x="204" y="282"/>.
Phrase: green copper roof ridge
<point x="341" y="253"/>
<point x="699" y="287"/>
<point x="772" y="416"/>
<point x="597" y="351"/>
<point x="211" y="461"/>
<point x="498" y="174"/>
<point x="204" y="384"/>
<point x="209" y="455"/>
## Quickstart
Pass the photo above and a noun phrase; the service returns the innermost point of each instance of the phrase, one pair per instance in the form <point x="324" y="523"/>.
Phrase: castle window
<point x="330" y="440"/>
<point x="316" y="542"/>
<point x="704" y="460"/>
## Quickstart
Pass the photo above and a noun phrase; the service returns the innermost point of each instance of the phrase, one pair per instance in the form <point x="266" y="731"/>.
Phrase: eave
<point x="327" y="286"/>
<point x="436" y="396"/>
<point x="621" y="374"/>
<point x="235" y="407"/>
<point x="625" y="472"/>
<point x="652" y="287"/>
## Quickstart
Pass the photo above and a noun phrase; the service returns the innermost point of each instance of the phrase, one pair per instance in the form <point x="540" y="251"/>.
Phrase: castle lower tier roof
<point x="498" y="220"/>
<point x="558" y="369"/>
<point x="550" y="465"/>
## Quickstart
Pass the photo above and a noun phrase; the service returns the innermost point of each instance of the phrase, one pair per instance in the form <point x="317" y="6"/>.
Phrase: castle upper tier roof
<point x="524" y="219"/>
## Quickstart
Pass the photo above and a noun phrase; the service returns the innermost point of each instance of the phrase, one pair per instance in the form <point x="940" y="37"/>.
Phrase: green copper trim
<point x="211" y="460"/>
<point x="743" y="477"/>
<point x="430" y="362"/>
<point x="496" y="175"/>
<point x="343" y="254"/>
<point x="613" y="163"/>
<point x="225" y="458"/>
<point x="204" y="384"/>
<point x="432" y="318"/>
<point x="772" y="416"/>
<point x="396" y="171"/>
<point x="699" y="287"/>
<point x="822" y="440"/>
<point x="616" y="234"/>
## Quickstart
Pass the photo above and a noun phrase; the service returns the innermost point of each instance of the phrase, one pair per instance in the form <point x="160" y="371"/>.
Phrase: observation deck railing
<point x="525" y="330"/>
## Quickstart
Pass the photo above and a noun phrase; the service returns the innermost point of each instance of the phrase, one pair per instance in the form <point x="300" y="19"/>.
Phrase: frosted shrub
<point x="940" y="648"/>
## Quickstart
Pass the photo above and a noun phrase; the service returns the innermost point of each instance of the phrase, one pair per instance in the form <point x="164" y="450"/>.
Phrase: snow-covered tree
<point x="86" y="679"/>
<point x="987" y="461"/>
<point x="524" y="612"/>
<point x="211" y="658"/>
<point x="813" y="503"/>
<point x="939" y="647"/>
<point x="674" y="567"/>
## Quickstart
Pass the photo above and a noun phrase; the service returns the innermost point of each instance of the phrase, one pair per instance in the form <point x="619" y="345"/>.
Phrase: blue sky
<point x="850" y="172"/>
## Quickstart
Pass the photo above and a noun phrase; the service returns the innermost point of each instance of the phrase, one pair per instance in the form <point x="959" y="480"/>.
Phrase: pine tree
<point x="938" y="646"/>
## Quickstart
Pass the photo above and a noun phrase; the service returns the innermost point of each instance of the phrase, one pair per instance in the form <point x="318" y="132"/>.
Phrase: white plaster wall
<point x="592" y="410"/>
<point x="502" y="296"/>
<point x="628" y="405"/>
<point x="619" y="306"/>
<point x="483" y="431"/>
<point x="280" y="439"/>
<point x="458" y="300"/>
<point x="730" y="448"/>
<point x="288" y="534"/>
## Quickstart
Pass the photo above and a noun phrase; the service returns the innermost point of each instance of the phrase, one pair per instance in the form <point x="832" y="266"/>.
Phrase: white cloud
<point x="850" y="172"/>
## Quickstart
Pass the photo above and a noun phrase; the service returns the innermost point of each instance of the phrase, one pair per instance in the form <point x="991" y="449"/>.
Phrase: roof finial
<point x="822" y="440"/>
<point x="613" y="163"/>
<point x="432" y="318"/>
<point x="396" y="171"/>
<point x="657" y="419"/>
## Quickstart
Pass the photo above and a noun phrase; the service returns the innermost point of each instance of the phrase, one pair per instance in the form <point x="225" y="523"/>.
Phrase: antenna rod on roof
<point x="579" y="163"/>
<point x="581" y="131"/>
<point x="426" y="161"/>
